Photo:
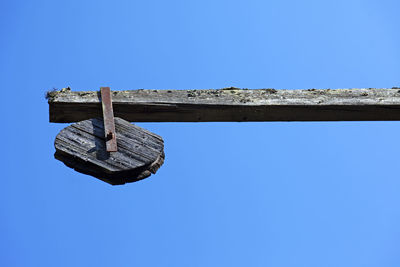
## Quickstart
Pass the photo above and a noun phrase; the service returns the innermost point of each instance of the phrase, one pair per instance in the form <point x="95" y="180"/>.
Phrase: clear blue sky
<point x="229" y="194"/>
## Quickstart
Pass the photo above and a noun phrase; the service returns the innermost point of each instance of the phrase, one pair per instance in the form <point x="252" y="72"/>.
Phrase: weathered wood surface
<point x="231" y="104"/>
<point x="108" y="119"/>
<point x="82" y="147"/>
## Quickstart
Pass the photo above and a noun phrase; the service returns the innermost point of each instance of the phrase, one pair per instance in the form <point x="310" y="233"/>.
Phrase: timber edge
<point x="230" y="104"/>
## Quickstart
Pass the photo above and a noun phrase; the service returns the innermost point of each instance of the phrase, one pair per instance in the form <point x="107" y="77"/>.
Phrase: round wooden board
<point x="81" y="146"/>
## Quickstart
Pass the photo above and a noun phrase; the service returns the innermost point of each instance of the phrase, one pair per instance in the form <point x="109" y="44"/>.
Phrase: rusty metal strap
<point x="108" y="117"/>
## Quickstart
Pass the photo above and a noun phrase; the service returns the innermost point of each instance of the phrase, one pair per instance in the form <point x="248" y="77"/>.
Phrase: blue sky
<point x="229" y="194"/>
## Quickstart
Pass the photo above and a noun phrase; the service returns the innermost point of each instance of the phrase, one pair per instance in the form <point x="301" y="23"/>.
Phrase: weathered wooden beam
<point x="231" y="104"/>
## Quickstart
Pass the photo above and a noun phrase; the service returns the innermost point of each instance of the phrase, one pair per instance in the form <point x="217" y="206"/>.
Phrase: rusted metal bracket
<point x="108" y="117"/>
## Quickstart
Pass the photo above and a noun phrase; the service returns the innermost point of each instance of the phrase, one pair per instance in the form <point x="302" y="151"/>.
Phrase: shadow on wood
<point x="231" y="104"/>
<point x="81" y="146"/>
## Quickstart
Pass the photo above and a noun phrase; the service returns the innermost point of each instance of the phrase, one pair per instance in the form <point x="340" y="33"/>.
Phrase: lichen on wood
<point x="52" y="94"/>
<point x="232" y="104"/>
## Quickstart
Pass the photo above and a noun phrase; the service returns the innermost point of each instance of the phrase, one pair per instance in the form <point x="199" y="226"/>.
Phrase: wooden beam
<point x="231" y="104"/>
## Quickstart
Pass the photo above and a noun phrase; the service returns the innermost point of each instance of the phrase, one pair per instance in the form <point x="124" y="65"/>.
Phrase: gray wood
<point x="231" y="104"/>
<point x="82" y="147"/>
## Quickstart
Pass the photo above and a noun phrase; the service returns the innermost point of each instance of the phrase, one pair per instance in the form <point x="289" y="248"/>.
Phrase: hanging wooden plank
<point x="82" y="147"/>
<point x="231" y="104"/>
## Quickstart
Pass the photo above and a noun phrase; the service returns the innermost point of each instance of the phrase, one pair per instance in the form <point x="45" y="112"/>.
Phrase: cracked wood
<point x="82" y="147"/>
<point x="231" y="104"/>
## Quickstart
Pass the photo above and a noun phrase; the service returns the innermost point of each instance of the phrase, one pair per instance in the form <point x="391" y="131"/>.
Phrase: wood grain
<point x="82" y="147"/>
<point x="231" y="104"/>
